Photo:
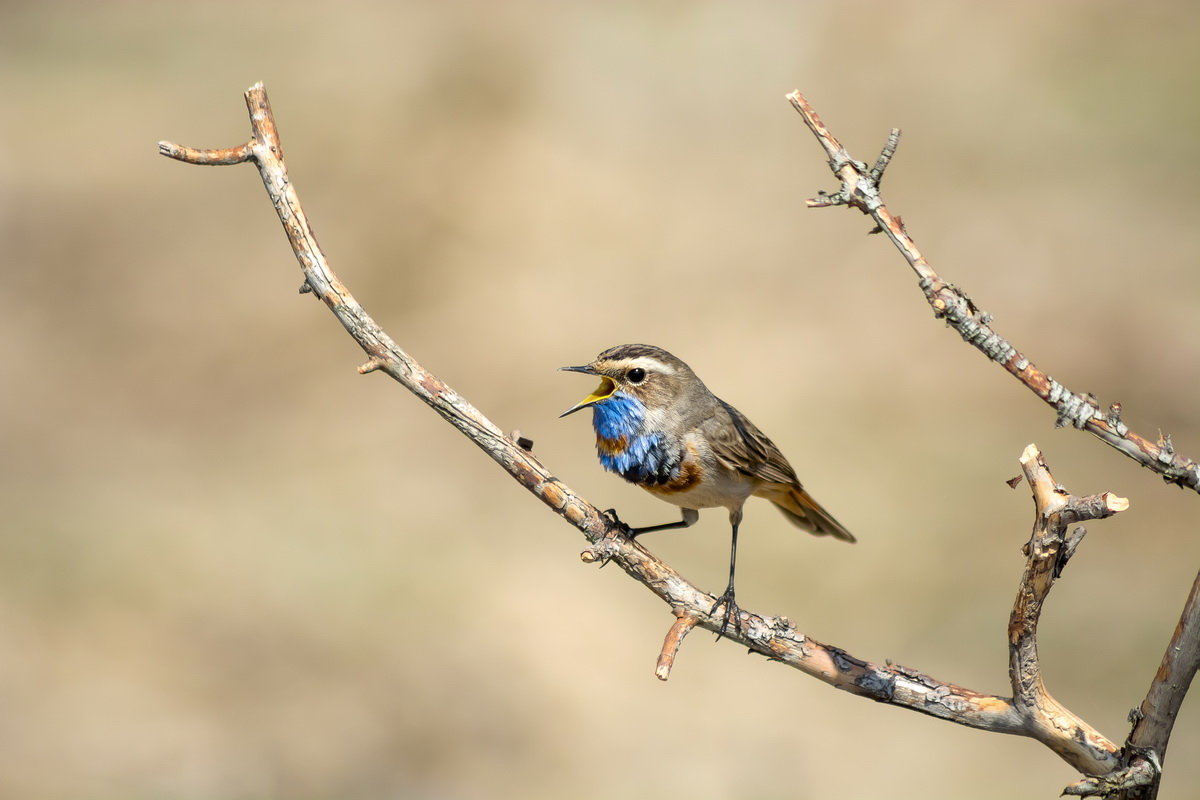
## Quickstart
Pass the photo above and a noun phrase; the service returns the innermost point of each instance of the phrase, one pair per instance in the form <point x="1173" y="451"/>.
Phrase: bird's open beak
<point x="603" y="391"/>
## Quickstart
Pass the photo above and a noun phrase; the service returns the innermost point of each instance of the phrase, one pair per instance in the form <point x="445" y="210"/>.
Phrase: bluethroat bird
<point x="658" y="426"/>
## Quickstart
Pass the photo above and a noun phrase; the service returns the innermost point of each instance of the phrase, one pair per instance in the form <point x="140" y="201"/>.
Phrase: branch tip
<point x="1030" y="454"/>
<point x="885" y="156"/>
<point x="680" y="628"/>
<point x="599" y="551"/>
<point x="370" y="366"/>
<point x="827" y="200"/>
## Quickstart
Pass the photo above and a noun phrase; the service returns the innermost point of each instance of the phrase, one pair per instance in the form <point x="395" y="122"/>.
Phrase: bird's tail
<point x="804" y="512"/>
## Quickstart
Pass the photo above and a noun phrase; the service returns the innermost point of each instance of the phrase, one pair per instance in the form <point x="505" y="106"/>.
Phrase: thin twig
<point x="885" y="156"/>
<point x="212" y="158"/>
<point x="680" y="628"/>
<point x="860" y="189"/>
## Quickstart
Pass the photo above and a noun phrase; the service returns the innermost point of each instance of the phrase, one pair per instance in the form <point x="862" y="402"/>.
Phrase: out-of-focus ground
<point x="230" y="567"/>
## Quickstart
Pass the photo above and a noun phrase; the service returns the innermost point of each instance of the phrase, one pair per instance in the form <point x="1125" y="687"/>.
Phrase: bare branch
<point x="265" y="151"/>
<point x="1031" y="713"/>
<point x="1145" y="749"/>
<point x="860" y="189"/>
<point x="774" y="637"/>
<point x="1133" y="781"/>
<point x="1158" y="711"/>
<point x="1047" y="552"/>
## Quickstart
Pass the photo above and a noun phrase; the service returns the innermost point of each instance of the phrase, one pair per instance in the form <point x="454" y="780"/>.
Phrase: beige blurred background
<point x="230" y="567"/>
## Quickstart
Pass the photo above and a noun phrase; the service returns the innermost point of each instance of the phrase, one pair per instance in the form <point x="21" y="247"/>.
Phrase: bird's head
<point x="639" y="372"/>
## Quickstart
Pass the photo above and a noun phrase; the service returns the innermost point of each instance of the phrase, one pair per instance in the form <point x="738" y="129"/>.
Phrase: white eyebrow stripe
<point x="651" y="364"/>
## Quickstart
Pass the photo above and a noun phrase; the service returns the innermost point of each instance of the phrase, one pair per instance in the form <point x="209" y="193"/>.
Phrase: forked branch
<point x="860" y="189"/>
<point x="1137" y="775"/>
<point x="1031" y="711"/>
<point x="1046" y="553"/>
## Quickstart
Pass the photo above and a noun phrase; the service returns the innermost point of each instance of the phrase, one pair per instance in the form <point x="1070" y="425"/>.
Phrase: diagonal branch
<point x="1031" y="713"/>
<point x="860" y="189"/>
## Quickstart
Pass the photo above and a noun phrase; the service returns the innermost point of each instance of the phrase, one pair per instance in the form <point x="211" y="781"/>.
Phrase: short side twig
<point x="1047" y="552"/>
<point x="860" y="189"/>
<point x="684" y="622"/>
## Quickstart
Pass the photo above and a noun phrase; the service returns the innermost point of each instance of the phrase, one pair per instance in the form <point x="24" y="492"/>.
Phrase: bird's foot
<point x="731" y="612"/>
<point x="611" y="515"/>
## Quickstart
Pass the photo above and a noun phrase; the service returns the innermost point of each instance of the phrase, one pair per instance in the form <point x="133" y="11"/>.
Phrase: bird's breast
<point x="647" y="459"/>
<point x="701" y="481"/>
<point x="687" y="477"/>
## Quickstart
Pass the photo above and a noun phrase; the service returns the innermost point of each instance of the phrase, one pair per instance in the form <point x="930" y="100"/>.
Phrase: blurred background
<point x="231" y="567"/>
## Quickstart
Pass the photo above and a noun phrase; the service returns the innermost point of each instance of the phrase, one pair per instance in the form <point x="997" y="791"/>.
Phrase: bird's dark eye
<point x="636" y="375"/>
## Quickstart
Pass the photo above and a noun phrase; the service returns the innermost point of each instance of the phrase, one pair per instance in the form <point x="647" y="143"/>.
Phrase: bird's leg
<point x="690" y="515"/>
<point x="731" y="608"/>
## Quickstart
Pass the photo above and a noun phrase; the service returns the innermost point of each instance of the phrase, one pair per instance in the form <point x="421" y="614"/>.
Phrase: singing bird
<point x="658" y="426"/>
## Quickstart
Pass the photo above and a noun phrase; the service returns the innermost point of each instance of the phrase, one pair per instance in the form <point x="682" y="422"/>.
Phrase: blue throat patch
<point x="646" y="457"/>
